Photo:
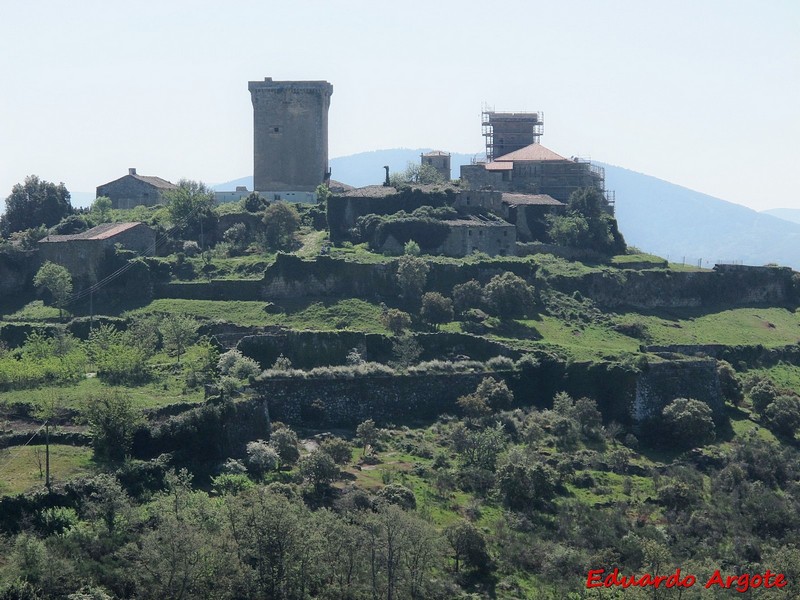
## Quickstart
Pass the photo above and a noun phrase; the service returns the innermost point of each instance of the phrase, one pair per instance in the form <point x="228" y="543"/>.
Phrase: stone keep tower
<point x="290" y="128"/>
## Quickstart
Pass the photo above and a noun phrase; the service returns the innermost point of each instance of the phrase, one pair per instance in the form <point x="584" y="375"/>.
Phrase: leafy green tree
<point x="178" y="331"/>
<point x="689" y="422"/>
<point x="191" y="209"/>
<point x="419" y="174"/>
<point x="468" y="546"/>
<point x="587" y="224"/>
<point x="102" y="208"/>
<point x="397" y="494"/>
<point x="395" y="320"/>
<point x="436" y="309"/>
<point x="113" y="418"/>
<point x="34" y="203"/>
<point x="412" y="248"/>
<point x="236" y="237"/>
<point x="57" y="281"/>
<point x="286" y="444"/>
<point x="783" y="415"/>
<point x="262" y="457"/>
<point x="406" y="351"/>
<point x="412" y="274"/>
<point x="281" y="221"/>
<point x="729" y="383"/>
<point x="524" y="485"/>
<point x="323" y="193"/>
<point x="318" y="469"/>
<point x="509" y="295"/>
<point x="467" y="295"/>
<point x="479" y="448"/>
<point x="338" y="449"/>
<point x="762" y="394"/>
<point x="367" y="432"/>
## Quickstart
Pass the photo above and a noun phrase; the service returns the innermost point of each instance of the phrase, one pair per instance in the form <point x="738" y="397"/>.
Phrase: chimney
<point x="132" y="171"/>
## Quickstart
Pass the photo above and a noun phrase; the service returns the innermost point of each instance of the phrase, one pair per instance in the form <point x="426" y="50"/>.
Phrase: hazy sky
<point x="703" y="93"/>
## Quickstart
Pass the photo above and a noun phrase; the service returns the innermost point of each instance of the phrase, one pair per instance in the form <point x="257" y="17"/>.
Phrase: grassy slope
<point x="19" y="468"/>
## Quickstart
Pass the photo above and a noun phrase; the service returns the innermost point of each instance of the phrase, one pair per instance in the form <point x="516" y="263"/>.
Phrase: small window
<point x="469" y="231"/>
<point x="277" y="129"/>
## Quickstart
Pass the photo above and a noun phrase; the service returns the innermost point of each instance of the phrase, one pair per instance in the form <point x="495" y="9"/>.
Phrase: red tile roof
<point x="531" y="200"/>
<point x="101" y="232"/>
<point x="534" y="152"/>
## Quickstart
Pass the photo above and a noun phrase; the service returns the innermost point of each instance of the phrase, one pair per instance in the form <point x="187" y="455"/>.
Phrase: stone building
<point x="535" y="169"/>
<point x="83" y="253"/>
<point x="290" y="137"/>
<point x="475" y="233"/>
<point x="438" y="160"/>
<point x="135" y="190"/>
<point x="528" y="212"/>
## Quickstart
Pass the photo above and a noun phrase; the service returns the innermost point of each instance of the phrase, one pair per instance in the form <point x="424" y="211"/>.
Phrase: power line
<point x="14" y="455"/>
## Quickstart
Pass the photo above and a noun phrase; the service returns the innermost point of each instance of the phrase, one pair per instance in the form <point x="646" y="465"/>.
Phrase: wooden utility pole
<point x="47" y="454"/>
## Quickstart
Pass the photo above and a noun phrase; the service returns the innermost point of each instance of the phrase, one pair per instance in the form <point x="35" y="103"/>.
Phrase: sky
<point x="702" y="93"/>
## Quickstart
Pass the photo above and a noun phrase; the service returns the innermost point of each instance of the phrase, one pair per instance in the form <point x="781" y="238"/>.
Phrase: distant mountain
<point x="677" y="223"/>
<point x="787" y="214"/>
<point x="654" y="215"/>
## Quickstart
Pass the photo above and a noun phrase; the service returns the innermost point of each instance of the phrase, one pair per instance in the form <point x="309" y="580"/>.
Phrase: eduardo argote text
<point x="600" y="578"/>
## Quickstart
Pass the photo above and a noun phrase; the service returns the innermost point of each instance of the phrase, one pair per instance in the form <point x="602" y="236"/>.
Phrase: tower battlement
<point x="290" y="134"/>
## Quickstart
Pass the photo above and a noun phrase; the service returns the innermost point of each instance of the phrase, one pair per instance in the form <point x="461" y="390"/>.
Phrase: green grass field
<point x="351" y="314"/>
<point x="770" y="327"/>
<point x="19" y="466"/>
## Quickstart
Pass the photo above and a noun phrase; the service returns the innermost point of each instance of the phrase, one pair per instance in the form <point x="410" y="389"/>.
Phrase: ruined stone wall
<point x="308" y="349"/>
<point x="663" y="382"/>
<point x="17" y="269"/>
<point x="493" y="239"/>
<point x="661" y="288"/>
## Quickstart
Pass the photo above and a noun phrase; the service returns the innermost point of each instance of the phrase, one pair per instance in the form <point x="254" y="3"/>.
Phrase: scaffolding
<point x="509" y="131"/>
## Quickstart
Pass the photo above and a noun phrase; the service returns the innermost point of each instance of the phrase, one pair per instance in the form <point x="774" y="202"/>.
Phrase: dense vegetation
<point x="517" y="492"/>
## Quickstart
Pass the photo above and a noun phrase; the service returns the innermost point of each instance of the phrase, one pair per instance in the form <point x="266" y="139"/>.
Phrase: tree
<point x="338" y="449"/>
<point x="286" y="444"/>
<point x="762" y="394"/>
<point x="56" y="280"/>
<point x="783" y="415"/>
<point x="406" y="351"/>
<point x="414" y="173"/>
<point x="281" y="221"/>
<point x="730" y="384"/>
<point x="34" y="203"/>
<point x="102" y="208"/>
<point x="468" y="545"/>
<point x="367" y="433"/>
<point x="436" y="309"/>
<point x="412" y="273"/>
<point x="318" y="469"/>
<point x="178" y="332"/>
<point x="113" y="419"/>
<point x="191" y="208"/>
<point x="262" y="457"/>
<point x="467" y="295"/>
<point x="412" y="248"/>
<point x="395" y="320"/>
<point x="509" y="295"/>
<point x="587" y="224"/>
<point x="689" y="422"/>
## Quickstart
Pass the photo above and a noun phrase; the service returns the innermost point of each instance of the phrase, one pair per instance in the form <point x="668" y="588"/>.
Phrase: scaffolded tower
<point x="506" y="132"/>
<point x="290" y="134"/>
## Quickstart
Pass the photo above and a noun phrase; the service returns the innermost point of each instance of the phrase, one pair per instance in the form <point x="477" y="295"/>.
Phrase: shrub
<point x="395" y="320"/>
<point x="338" y="449"/>
<point x="436" y="309"/>
<point x="467" y="295"/>
<point x="783" y="415"/>
<point x="509" y="295"/>
<point x="689" y="422"/>
<point x="262" y="457"/>
<point x="500" y="363"/>
<point x="397" y="494"/>
<point x="762" y="394"/>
